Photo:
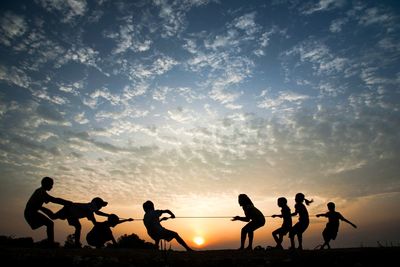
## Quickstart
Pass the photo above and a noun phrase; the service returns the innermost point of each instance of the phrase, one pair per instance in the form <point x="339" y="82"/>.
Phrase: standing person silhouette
<point x="286" y="215"/>
<point x="75" y="211"/>
<point x="332" y="227"/>
<point x="253" y="216"/>
<point x="34" y="208"/>
<point x="299" y="228"/>
<point x="154" y="228"/>
<point x="101" y="231"/>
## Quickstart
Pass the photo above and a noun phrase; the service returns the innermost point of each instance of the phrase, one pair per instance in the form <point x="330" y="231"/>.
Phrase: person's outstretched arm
<point x="349" y="222"/>
<point x="100" y="213"/>
<point x="58" y="200"/>
<point x="125" y="220"/>
<point x="239" y="218"/>
<point x="321" y="215"/>
<point x="277" y="215"/>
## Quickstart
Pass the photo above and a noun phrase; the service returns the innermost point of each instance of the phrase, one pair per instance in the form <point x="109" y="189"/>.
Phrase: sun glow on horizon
<point x="198" y="240"/>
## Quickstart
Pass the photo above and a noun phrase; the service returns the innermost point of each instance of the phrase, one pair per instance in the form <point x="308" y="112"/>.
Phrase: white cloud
<point x="337" y="25"/>
<point x="181" y="115"/>
<point x="68" y="8"/>
<point x="285" y="97"/>
<point x="80" y="118"/>
<point x="375" y="15"/>
<point x="15" y="76"/>
<point x="323" y="5"/>
<point x="12" y="26"/>
<point x="247" y="23"/>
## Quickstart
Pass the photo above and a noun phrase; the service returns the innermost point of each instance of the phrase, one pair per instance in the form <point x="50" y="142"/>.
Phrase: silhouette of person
<point x="101" y="231"/>
<point x="299" y="228"/>
<point x="76" y="211"/>
<point x="154" y="228"/>
<point x="332" y="227"/>
<point x="34" y="208"/>
<point x="286" y="215"/>
<point x="253" y="216"/>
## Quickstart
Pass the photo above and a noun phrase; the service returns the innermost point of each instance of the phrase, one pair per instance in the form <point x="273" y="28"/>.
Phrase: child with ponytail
<point x="299" y="228"/>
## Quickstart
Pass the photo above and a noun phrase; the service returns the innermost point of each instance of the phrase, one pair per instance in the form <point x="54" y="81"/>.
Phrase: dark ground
<point x="60" y="257"/>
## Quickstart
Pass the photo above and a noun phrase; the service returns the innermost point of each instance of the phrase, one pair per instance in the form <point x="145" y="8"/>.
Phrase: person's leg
<point x="50" y="231"/>
<point x="292" y="234"/>
<point x="275" y="235"/>
<point x="300" y="238"/>
<point x="182" y="242"/>
<point x="251" y="236"/>
<point x="243" y="234"/>
<point x="77" y="235"/>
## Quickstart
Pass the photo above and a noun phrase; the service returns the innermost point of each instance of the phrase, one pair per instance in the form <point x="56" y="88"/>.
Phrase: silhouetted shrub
<point x="133" y="241"/>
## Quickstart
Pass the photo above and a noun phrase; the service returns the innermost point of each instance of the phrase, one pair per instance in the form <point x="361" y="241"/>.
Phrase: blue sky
<point x="198" y="99"/>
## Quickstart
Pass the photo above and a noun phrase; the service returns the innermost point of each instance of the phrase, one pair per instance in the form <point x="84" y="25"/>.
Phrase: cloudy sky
<point x="192" y="102"/>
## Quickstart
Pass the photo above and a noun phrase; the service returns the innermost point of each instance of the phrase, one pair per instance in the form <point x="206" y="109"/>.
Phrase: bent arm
<point x="169" y="212"/>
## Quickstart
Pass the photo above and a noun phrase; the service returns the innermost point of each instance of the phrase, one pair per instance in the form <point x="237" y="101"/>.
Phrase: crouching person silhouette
<point x="154" y="228"/>
<point x="75" y="211"/>
<point x="102" y="233"/>
<point x="286" y="215"/>
<point x="34" y="209"/>
<point x="254" y="218"/>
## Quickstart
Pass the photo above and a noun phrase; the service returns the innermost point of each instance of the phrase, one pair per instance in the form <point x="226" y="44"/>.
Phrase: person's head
<point x="47" y="183"/>
<point x="244" y="200"/>
<point x="331" y="206"/>
<point x="300" y="198"/>
<point x="148" y="206"/>
<point x="113" y="220"/>
<point x="282" y="201"/>
<point x="98" y="203"/>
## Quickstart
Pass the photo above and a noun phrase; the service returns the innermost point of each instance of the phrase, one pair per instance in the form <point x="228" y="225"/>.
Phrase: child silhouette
<point x="253" y="216"/>
<point x="332" y="227"/>
<point x="155" y="230"/>
<point x="76" y="211"/>
<point x="32" y="213"/>
<point x="101" y="231"/>
<point x="286" y="215"/>
<point x="299" y="228"/>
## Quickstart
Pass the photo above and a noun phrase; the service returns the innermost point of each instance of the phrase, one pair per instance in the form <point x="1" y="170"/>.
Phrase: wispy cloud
<point x="12" y="26"/>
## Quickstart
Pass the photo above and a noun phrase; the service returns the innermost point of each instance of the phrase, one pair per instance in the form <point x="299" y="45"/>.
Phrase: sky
<point x="190" y="103"/>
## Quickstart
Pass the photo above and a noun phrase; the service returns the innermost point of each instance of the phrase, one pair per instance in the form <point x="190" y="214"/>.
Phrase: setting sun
<point x="198" y="240"/>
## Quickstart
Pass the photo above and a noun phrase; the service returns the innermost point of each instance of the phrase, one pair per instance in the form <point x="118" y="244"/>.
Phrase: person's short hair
<point x="47" y="181"/>
<point x="148" y="205"/>
<point x="331" y="206"/>
<point x="282" y="200"/>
